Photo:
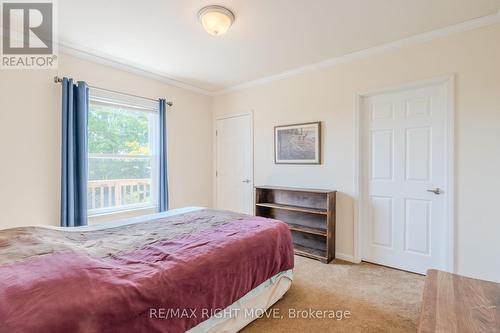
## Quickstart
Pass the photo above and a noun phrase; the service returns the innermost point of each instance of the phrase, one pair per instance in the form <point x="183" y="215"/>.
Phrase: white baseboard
<point x="345" y="257"/>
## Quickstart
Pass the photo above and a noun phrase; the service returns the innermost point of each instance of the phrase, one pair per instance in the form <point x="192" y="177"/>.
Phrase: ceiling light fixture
<point x="216" y="20"/>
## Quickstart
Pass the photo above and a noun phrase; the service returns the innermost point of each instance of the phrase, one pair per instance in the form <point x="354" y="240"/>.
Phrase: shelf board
<point x="294" y="189"/>
<point x="309" y="252"/>
<point x="307" y="230"/>
<point x="293" y="208"/>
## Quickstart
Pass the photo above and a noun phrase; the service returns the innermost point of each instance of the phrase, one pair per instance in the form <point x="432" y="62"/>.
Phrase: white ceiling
<point x="268" y="37"/>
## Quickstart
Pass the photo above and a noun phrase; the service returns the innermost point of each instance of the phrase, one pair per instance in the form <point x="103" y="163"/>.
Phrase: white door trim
<point x="359" y="186"/>
<point x="214" y="177"/>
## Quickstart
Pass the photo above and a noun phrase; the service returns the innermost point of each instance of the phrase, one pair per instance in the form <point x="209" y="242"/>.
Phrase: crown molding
<point x="104" y="59"/>
<point x="420" y="38"/>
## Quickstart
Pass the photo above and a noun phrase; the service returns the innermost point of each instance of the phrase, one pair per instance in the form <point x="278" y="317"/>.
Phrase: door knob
<point x="436" y="191"/>
<point x="246" y="181"/>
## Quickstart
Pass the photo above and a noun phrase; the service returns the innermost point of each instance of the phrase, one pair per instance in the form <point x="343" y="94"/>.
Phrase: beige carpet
<point x="380" y="299"/>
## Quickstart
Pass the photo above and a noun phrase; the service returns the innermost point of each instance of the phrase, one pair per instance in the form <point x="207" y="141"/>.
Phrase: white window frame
<point x="99" y="96"/>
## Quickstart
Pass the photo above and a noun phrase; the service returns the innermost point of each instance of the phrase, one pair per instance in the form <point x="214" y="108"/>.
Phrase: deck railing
<point x="118" y="192"/>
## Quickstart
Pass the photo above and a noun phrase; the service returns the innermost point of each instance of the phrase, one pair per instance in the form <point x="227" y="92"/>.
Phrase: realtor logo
<point x="28" y="31"/>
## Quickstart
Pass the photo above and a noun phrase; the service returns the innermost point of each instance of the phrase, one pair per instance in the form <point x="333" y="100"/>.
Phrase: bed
<point x="190" y="269"/>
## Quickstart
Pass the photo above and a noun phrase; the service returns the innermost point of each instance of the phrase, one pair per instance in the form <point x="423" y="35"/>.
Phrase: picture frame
<point x="298" y="143"/>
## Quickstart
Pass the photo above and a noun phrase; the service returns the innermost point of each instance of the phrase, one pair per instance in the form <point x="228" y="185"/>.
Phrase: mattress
<point x="117" y="277"/>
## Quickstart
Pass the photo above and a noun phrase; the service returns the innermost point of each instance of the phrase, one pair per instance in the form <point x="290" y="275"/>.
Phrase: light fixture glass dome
<point x="216" y="20"/>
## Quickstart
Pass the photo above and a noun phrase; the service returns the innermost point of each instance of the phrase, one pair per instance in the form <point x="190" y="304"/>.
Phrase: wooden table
<point x="453" y="303"/>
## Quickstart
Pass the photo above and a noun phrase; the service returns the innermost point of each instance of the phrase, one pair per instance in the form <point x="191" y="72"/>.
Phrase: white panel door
<point x="234" y="172"/>
<point x="404" y="179"/>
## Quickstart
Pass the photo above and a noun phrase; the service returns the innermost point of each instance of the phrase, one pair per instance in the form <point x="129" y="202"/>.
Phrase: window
<point x="122" y="148"/>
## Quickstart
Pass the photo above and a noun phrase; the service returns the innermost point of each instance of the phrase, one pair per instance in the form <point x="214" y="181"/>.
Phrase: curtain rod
<point x="57" y="79"/>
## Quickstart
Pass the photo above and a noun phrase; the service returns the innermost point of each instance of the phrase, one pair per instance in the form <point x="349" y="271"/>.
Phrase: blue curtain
<point x="74" y="153"/>
<point x="162" y="155"/>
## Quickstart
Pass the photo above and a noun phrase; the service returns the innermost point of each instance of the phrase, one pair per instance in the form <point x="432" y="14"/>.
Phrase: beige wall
<point x="30" y="131"/>
<point x="328" y="95"/>
<point x="30" y="135"/>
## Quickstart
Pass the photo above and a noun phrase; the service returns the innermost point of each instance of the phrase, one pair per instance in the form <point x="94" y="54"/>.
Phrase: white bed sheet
<point x="243" y="311"/>
<point x="127" y="221"/>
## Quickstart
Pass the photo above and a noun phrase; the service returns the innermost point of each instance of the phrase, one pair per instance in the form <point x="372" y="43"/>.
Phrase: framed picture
<point x="298" y="144"/>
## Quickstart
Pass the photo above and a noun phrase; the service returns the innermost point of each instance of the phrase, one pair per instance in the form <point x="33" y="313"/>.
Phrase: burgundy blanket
<point x="124" y="279"/>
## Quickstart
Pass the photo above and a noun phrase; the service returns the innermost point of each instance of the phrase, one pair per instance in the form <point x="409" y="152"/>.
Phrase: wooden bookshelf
<point x="309" y="213"/>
